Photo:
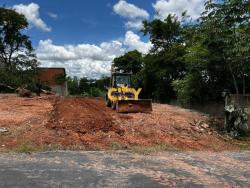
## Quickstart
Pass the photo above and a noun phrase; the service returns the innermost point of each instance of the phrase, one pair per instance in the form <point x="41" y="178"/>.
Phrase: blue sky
<point x="88" y="21"/>
<point x="84" y="36"/>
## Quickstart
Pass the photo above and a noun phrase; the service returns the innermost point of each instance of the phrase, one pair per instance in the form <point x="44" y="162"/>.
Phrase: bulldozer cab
<point x="121" y="80"/>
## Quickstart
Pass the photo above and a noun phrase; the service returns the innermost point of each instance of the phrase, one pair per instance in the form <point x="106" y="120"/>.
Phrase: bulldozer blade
<point x="133" y="106"/>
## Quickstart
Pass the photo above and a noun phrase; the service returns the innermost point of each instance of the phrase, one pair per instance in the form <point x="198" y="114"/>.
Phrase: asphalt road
<point x="124" y="169"/>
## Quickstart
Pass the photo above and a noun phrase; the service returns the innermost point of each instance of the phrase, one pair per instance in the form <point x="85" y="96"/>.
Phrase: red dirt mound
<point x="82" y="116"/>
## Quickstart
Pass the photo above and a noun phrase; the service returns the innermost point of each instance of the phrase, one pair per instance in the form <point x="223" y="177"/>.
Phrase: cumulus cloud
<point x="137" y="25"/>
<point x="133" y="42"/>
<point x="31" y="12"/>
<point x="134" y="14"/>
<point x="88" y="60"/>
<point x="80" y="60"/>
<point x="164" y="7"/>
<point x="128" y="10"/>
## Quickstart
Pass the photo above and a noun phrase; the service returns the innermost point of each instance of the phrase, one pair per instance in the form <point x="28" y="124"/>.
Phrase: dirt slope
<point x="82" y="121"/>
<point x="87" y="122"/>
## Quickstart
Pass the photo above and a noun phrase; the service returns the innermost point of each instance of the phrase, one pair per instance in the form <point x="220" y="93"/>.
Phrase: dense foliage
<point x="17" y="58"/>
<point x="87" y="87"/>
<point x="195" y="61"/>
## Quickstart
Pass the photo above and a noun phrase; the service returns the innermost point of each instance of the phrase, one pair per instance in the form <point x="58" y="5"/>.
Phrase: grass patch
<point x="244" y="138"/>
<point x="74" y="148"/>
<point x="26" y="148"/>
<point x="244" y="146"/>
<point x="154" y="149"/>
<point x="49" y="147"/>
<point x="116" y="146"/>
<point x="32" y="148"/>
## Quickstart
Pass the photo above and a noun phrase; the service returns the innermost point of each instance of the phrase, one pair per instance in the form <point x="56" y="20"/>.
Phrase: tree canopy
<point x="196" y="61"/>
<point x="130" y="62"/>
<point x="17" y="58"/>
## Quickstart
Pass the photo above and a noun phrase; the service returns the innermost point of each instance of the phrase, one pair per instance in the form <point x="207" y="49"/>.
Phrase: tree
<point x="160" y="70"/>
<point x="201" y="76"/>
<point x="196" y="61"/>
<point x="226" y="23"/>
<point x="73" y="86"/>
<point x="15" y="47"/>
<point x="163" y="33"/>
<point x="87" y="87"/>
<point x="165" y="62"/>
<point x="84" y="85"/>
<point x="60" y="78"/>
<point x="17" y="60"/>
<point x="216" y="46"/>
<point x="102" y="83"/>
<point x="130" y="62"/>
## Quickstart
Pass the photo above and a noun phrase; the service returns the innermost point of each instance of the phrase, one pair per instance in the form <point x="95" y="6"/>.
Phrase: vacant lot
<point x="85" y="123"/>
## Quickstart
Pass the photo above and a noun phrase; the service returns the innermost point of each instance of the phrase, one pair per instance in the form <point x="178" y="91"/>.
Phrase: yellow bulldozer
<point x="123" y="98"/>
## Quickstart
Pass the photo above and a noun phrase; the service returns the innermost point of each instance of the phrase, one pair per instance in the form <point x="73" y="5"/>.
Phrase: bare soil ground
<point x="75" y="122"/>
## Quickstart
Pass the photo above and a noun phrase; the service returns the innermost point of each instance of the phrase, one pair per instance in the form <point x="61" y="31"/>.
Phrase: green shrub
<point x="237" y="121"/>
<point x="96" y="92"/>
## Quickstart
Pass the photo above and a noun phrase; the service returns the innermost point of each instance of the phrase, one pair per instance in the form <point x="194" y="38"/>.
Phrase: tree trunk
<point x="243" y="84"/>
<point x="233" y="77"/>
<point x="235" y="83"/>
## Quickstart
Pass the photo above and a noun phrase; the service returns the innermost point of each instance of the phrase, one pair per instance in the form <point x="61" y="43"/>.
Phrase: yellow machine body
<point x="125" y="99"/>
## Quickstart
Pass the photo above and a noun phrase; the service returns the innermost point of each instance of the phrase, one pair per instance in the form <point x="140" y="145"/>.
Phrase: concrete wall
<point x="213" y="108"/>
<point x="60" y="89"/>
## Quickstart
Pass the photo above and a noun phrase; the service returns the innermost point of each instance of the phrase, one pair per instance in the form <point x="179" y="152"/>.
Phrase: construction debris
<point x="22" y="92"/>
<point x="4" y="87"/>
<point x="47" y="92"/>
<point x="3" y="130"/>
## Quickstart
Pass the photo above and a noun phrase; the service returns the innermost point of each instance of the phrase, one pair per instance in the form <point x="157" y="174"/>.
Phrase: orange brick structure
<point x="49" y="77"/>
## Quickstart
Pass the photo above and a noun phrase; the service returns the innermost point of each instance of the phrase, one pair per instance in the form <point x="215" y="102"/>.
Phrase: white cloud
<point x="164" y="7"/>
<point x="137" y="25"/>
<point x="133" y="42"/>
<point x="134" y="14"/>
<point x="31" y="12"/>
<point x="87" y="60"/>
<point x="52" y="15"/>
<point x="128" y="10"/>
<point x="80" y="60"/>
